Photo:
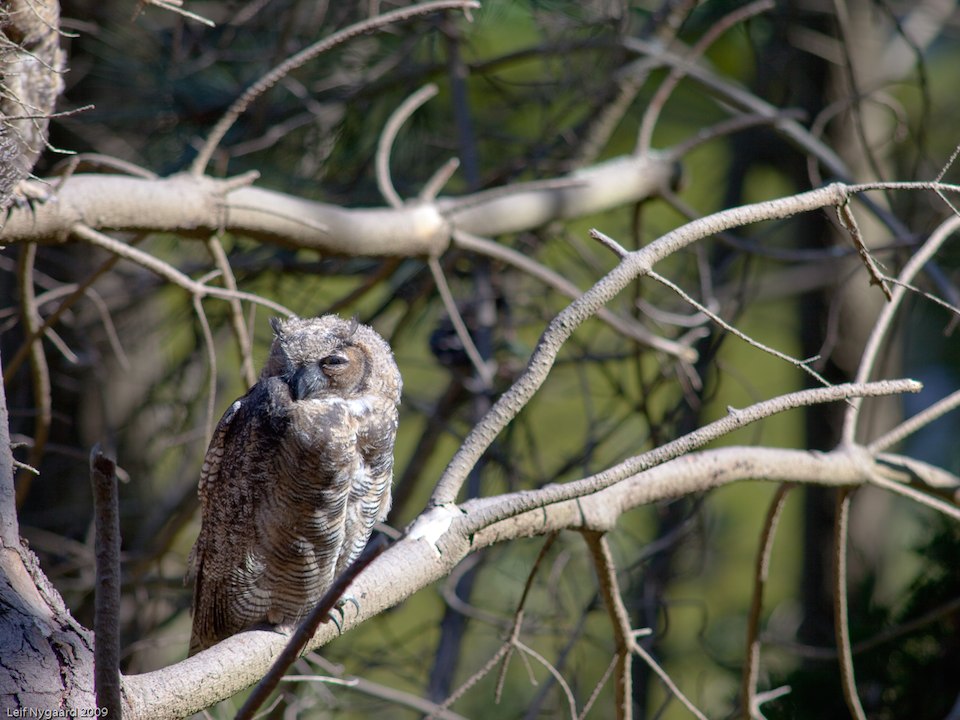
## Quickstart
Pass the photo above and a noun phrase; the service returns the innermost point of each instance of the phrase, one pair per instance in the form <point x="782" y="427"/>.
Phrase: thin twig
<point x="663" y="92"/>
<point x="614" y="661"/>
<point x="626" y="637"/>
<point x="849" y="223"/>
<point x="174" y="6"/>
<point x="608" y="242"/>
<point x="761" y="571"/>
<point x="884" y="321"/>
<point x="387" y="137"/>
<point x="241" y="104"/>
<point x="916" y="422"/>
<point x="567" y="692"/>
<point x="470" y="681"/>
<point x="667" y="680"/>
<point x="436" y="182"/>
<point x="767" y="696"/>
<point x="606" y="570"/>
<point x="735" y="124"/>
<point x="949" y="163"/>
<point x="743" y="98"/>
<point x="802" y="364"/>
<point x="106" y="619"/>
<point x="505" y="651"/>
<point x="519" y="613"/>
<point x="170" y="273"/>
<point x="948" y="509"/>
<point x="68" y="167"/>
<point x="215" y="247"/>
<point x="212" y="363"/>
<point x="561" y="284"/>
<point x="39" y="370"/>
<point x="841" y="617"/>
<point x="75" y="293"/>
<point x="629" y="82"/>
<point x="382" y="692"/>
<point x="949" y="307"/>
<point x="484" y="371"/>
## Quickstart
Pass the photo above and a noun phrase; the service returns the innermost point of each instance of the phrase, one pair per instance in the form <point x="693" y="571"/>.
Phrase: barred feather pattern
<point x="298" y="471"/>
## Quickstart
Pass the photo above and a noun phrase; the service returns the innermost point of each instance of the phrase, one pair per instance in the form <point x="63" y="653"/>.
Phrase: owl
<point x="298" y="471"/>
<point x="31" y="79"/>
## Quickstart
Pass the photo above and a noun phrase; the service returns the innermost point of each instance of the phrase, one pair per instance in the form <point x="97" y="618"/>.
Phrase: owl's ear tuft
<point x="276" y="323"/>
<point x="354" y="324"/>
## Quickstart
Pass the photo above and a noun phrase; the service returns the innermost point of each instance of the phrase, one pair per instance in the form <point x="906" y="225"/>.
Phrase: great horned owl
<point x="298" y="471"/>
<point x="31" y="80"/>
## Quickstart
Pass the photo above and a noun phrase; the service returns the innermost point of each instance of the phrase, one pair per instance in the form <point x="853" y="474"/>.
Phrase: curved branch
<point x="677" y="73"/>
<point x="619" y="181"/>
<point x="880" y="328"/>
<point x="170" y="273"/>
<point x="841" y="617"/>
<point x="632" y="266"/>
<point x="274" y="76"/>
<point x="761" y="572"/>
<point x="39" y="369"/>
<point x="387" y="137"/>
<point x="503" y="507"/>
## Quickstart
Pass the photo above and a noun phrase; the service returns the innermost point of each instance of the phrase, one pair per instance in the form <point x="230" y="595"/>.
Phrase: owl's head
<point x="331" y="356"/>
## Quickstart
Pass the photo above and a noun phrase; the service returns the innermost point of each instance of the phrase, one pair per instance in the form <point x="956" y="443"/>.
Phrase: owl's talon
<point x="348" y="598"/>
<point x="337" y="618"/>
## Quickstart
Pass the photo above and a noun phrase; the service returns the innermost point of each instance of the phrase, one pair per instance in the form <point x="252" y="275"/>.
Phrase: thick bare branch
<point x="106" y="503"/>
<point x="9" y="527"/>
<point x="444" y="536"/>
<point x="606" y="570"/>
<point x="500" y="508"/>
<point x="200" y="206"/>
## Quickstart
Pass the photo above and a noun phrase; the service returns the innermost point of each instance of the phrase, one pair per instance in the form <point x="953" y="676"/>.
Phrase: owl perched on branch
<point x="298" y="471"/>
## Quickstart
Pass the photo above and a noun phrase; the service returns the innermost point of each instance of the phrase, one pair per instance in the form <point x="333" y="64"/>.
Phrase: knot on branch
<point x="433" y="525"/>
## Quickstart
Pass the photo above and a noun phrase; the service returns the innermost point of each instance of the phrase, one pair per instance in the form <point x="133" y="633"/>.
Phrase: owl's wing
<point x="375" y="440"/>
<point x="230" y="492"/>
<point x="369" y="500"/>
<point x="209" y="474"/>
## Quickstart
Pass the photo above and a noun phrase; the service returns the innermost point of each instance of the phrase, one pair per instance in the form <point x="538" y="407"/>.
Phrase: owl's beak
<point x="306" y="381"/>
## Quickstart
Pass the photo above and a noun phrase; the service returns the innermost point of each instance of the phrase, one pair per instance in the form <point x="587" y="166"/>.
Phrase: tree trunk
<point x="46" y="657"/>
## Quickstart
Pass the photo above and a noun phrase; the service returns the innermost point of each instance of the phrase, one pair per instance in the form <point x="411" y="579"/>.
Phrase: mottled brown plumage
<point x="298" y="471"/>
<point x="31" y="80"/>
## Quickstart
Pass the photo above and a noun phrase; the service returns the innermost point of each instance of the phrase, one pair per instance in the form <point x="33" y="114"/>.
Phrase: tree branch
<point x="443" y="537"/>
<point x="199" y="206"/>
<point x="106" y="624"/>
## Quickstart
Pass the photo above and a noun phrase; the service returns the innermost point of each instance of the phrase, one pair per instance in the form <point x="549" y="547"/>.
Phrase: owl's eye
<point x="333" y="361"/>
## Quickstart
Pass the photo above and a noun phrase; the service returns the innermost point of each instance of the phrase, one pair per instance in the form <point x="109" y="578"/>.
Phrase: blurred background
<point x="528" y="91"/>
